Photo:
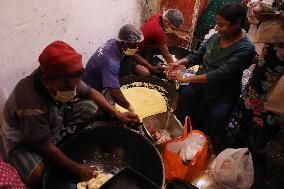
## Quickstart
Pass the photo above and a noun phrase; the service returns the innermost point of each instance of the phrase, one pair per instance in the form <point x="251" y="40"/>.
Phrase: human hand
<point x="171" y="68"/>
<point x="84" y="171"/>
<point x="128" y="117"/>
<point x="184" y="40"/>
<point x="174" y="75"/>
<point x="175" y="66"/>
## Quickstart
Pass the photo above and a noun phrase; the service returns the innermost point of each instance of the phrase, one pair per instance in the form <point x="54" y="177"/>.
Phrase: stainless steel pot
<point x="111" y="148"/>
<point x="167" y="89"/>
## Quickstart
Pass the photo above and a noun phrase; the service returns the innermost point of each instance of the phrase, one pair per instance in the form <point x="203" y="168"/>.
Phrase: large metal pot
<point x="111" y="146"/>
<point x="167" y="89"/>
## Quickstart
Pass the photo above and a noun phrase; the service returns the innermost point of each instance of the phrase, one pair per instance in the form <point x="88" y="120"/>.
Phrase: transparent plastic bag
<point x="192" y="144"/>
<point x="233" y="169"/>
<point x="175" y="167"/>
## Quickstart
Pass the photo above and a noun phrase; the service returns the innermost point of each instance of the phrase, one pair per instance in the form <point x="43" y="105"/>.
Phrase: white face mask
<point x="130" y="52"/>
<point x="64" y="96"/>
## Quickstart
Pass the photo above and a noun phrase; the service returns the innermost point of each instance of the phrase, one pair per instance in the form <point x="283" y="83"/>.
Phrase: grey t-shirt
<point x="31" y="114"/>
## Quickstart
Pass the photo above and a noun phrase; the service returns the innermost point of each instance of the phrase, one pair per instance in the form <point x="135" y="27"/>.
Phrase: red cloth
<point x="58" y="58"/>
<point x="9" y="178"/>
<point x="154" y="34"/>
<point x="187" y="9"/>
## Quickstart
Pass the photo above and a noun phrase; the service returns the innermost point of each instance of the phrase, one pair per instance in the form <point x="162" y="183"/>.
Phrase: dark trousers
<point x="209" y="116"/>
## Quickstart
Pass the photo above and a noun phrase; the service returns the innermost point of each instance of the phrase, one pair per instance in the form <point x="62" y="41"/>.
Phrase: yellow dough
<point x="144" y="101"/>
<point x="94" y="183"/>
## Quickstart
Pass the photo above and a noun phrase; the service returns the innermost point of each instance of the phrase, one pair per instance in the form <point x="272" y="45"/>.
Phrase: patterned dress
<point x="256" y="123"/>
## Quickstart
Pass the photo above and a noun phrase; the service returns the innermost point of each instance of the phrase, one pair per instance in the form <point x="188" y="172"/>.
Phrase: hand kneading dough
<point x="144" y="101"/>
<point x="94" y="183"/>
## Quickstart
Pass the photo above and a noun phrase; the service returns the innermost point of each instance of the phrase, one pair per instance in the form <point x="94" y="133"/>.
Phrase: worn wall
<point x="27" y="26"/>
<point x="148" y="8"/>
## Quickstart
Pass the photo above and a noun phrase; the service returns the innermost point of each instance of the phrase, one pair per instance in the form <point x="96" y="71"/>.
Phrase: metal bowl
<point x="163" y="121"/>
<point x="167" y="89"/>
<point x="111" y="148"/>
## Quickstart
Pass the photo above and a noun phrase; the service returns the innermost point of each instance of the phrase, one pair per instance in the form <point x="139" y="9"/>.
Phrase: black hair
<point x="234" y="13"/>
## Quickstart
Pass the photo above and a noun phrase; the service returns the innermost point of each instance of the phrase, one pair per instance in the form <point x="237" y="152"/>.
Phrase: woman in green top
<point x="213" y="92"/>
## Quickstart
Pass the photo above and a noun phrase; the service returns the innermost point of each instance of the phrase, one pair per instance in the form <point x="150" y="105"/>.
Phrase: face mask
<point x="64" y="96"/>
<point x="169" y="30"/>
<point x="130" y="52"/>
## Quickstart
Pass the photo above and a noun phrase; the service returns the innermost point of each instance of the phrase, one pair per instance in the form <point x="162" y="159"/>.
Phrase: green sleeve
<point x="238" y="62"/>
<point x="195" y="58"/>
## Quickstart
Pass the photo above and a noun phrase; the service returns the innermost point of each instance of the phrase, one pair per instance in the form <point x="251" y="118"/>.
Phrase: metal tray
<point x="128" y="178"/>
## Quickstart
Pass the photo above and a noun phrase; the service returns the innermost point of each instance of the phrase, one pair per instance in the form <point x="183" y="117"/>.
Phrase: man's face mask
<point x="169" y="30"/>
<point x="64" y="96"/>
<point x="129" y="51"/>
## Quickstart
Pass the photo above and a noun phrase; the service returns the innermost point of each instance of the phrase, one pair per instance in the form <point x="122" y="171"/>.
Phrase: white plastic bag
<point x="233" y="169"/>
<point x="192" y="144"/>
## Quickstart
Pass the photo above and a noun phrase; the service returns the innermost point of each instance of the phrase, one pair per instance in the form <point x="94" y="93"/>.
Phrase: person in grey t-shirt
<point x="43" y="108"/>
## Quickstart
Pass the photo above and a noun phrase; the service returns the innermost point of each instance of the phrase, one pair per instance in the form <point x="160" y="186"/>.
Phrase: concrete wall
<point x="27" y="26"/>
<point x="149" y="8"/>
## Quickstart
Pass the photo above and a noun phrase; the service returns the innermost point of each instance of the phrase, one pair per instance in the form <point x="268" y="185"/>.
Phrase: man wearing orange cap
<point x="46" y="106"/>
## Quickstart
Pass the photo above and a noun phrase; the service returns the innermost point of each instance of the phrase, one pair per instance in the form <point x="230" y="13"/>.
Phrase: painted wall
<point x="27" y="26"/>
